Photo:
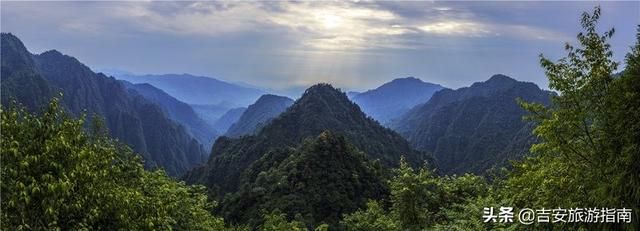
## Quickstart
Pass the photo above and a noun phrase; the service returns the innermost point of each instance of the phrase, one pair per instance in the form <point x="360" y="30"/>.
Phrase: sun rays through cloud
<point x="282" y="43"/>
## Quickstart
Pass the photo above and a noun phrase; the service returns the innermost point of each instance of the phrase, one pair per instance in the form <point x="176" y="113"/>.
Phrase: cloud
<point x="336" y="26"/>
<point x="456" y="28"/>
<point x="275" y="43"/>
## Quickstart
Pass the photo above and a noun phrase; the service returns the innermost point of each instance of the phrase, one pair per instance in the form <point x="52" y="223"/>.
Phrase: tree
<point x="588" y="154"/>
<point x="422" y="200"/>
<point x="411" y="195"/>
<point x="55" y="175"/>
<point x="373" y="218"/>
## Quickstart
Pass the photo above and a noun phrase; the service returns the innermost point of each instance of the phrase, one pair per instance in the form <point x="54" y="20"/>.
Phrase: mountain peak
<point x="409" y="79"/>
<point x="395" y="97"/>
<point x="321" y="88"/>
<point x="9" y="38"/>
<point x="270" y="97"/>
<point x="259" y="114"/>
<point x="53" y="52"/>
<point x="14" y="53"/>
<point x="501" y="78"/>
<point x="322" y="107"/>
<point x="497" y="82"/>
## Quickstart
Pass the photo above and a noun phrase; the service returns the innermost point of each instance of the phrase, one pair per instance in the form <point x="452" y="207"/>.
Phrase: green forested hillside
<point x="316" y="183"/>
<point x="129" y="117"/>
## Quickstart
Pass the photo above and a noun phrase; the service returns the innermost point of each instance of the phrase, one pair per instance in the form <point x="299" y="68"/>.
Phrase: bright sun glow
<point x="330" y="21"/>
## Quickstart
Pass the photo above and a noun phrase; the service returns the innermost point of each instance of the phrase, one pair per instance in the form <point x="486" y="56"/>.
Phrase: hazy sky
<point x="354" y="45"/>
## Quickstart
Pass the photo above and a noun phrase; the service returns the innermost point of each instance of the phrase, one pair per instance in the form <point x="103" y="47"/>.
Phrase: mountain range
<point x="394" y="98"/>
<point x="474" y="128"/>
<point x="32" y="80"/>
<point x="202" y="90"/>
<point x="320" y="156"/>
<point x="321" y="108"/>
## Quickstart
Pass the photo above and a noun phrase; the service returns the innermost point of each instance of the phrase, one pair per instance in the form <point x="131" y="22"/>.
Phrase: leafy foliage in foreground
<point x="57" y="176"/>
<point x="419" y="200"/>
<point x="590" y="153"/>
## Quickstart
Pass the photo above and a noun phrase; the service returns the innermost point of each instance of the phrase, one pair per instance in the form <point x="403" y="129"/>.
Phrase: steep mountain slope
<point x="198" y="89"/>
<point x="20" y="80"/>
<point x="320" y="108"/>
<point x="259" y="114"/>
<point x="394" y="98"/>
<point x="474" y="128"/>
<point x="321" y="180"/>
<point x="128" y="116"/>
<point x="229" y="118"/>
<point x="177" y="111"/>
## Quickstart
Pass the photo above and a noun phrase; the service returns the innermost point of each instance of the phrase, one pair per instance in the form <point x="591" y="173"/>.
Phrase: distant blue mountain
<point x="193" y="89"/>
<point x="394" y="98"/>
<point x="228" y="118"/>
<point x="210" y="113"/>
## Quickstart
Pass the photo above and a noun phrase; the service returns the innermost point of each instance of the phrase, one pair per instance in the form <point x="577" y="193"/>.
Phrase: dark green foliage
<point x="316" y="182"/>
<point x="321" y="108"/>
<point x="475" y="128"/>
<point x="129" y="117"/>
<point x="177" y="111"/>
<point x="373" y="218"/>
<point x="259" y="115"/>
<point x="589" y="150"/>
<point x="275" y="221"/>
<point x="55" y="176"/>
<point x="419" y="200"/>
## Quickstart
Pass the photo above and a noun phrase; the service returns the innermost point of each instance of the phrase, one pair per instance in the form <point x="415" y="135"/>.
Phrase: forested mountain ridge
<point x="177" y="111"/>
<point x="393" y="99"/>
<point x="259" y="114"/>
<point x="320" y="108"/>
<point x="474" y="128"/>
<point x="129" y="117"/>
<point x="322" y="179"/>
